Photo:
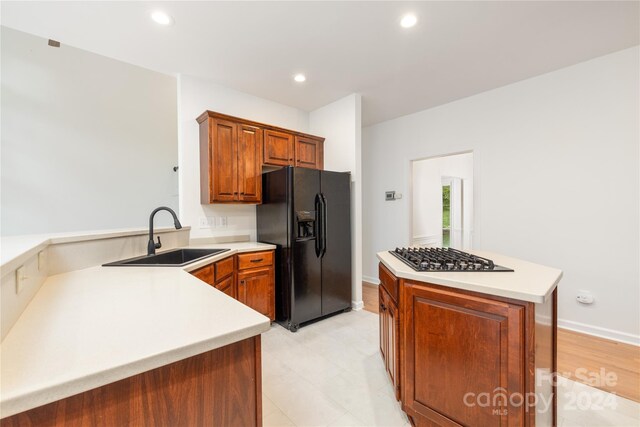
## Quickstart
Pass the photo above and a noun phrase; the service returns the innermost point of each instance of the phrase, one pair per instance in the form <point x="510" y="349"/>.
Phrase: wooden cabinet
<point x="249" y="164"/>
<point x="205" y="274"/>
<point x="278" y="148"/>
<point x="285" y="149"/>
<point x="389" y="334"/>
<point x="256" y="289"/>
<point x="248" y="277"/>
<point x="466" y="358"/>
<point x="234" y="150"/>
<point x="230" y="162"/>
<point x="462" y="344"/>
<point x="224" y="276"/>
<point x="309" y="152"/>
<point x="256" y="282"/>
<point x="221" y="387"/>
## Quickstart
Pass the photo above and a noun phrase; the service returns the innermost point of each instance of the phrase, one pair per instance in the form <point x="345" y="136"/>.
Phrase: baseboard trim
<point x="597" y="331"/>
<point x="357" y="305"/>
<point x="372" y="280"/>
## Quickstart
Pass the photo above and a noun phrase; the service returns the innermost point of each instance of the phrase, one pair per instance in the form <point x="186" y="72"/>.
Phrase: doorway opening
<point x="442" y="208"/>
<point x="446" y="216"/>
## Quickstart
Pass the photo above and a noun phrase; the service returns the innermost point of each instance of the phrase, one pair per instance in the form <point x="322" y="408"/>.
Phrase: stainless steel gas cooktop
<point x="445" y="259"/>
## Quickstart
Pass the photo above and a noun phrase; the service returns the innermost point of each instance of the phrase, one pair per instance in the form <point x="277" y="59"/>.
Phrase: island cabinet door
<point x="389" y="334"/>
<point x="464" y="359"/>
<point x="382" y="318"/>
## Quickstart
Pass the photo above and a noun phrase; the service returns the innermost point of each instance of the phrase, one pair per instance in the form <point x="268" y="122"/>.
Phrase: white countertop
<point x="528" y="282"/>
<point x="91" y="327"/>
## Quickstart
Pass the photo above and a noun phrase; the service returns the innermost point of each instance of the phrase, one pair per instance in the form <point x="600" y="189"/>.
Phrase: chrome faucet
<point x="152" y="246"/>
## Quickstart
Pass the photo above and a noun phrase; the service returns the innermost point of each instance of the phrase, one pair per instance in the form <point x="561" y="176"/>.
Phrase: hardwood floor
<point x="581" y="357"/>
<point x="370" y="297"/>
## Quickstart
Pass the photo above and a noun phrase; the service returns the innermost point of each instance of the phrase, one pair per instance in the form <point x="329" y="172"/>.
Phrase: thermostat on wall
<point x="392" y="195"/>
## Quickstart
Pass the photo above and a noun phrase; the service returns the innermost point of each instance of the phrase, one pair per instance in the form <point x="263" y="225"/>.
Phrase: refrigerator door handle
<point x="324" y="224"/>
<point x="319" y="229"/>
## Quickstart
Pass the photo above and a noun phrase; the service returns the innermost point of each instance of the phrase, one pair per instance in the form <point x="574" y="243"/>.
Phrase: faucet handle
<point x="159" y="244"/>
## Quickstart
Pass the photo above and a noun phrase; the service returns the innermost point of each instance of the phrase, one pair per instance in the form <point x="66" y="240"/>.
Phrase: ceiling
<point x="457" y="49"/>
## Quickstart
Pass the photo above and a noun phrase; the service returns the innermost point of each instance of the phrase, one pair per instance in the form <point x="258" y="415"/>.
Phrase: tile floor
<point x="330" y="374"/>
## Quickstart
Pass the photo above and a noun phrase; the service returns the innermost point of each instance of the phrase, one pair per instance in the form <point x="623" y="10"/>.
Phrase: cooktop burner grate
<point x="445" y="259"/>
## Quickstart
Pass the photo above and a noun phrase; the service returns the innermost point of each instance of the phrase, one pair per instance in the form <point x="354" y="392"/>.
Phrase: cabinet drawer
<point x="388" y="281"/>
<point x="255" y="259"/>
<point x="224" y="268"/>
<point x="205" y="274"/>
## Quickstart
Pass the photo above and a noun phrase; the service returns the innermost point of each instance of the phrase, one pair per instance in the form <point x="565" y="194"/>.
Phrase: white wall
<point x="196" y="95"/>
<point x="426" y="194"/>
<point x="340" y="124"/>
<point x="88" y="142"/>
<point x="556" y="174"/>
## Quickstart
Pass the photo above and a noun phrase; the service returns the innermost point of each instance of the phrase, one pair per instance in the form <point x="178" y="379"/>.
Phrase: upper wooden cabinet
<point x="230" y="162"/>
<point x="309" y="152"/>
<point x="249" y="164"/>
<point x="278" y="148"/>
<point x="233" y="152"/>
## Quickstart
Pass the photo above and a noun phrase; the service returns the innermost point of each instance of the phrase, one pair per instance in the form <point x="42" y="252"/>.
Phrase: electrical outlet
<point x="223" y="222"/>
<point x="206" y="222"/>
<point x="21" y="277"/>
<point x="585" y="297"/>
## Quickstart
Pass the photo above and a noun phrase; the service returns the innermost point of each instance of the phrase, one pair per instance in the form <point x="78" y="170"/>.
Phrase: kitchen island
<point x="134" y="346"/>
<point x="470" y="347"/>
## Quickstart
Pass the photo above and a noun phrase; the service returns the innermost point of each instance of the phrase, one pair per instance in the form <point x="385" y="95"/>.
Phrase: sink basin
<point x="174" y="258"/>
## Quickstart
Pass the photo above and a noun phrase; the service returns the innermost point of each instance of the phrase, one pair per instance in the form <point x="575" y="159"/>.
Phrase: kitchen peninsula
<point x="471" y="347"/>
<point x="133" y="346"/>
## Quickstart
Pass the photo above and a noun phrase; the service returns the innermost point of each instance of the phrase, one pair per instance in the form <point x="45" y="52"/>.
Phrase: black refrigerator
<point x="306" y="213"/>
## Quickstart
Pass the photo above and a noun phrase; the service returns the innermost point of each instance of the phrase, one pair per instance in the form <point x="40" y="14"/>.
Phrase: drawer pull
<point x="257" y="260"/>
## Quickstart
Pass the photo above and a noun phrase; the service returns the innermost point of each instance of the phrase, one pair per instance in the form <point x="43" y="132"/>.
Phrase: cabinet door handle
<point x="382" y="307"/>
<point x="256" y="260"/>
<point x="242" y="282"/>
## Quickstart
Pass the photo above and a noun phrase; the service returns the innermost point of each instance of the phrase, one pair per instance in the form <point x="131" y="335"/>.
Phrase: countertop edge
<point x="453" y="283"/>
<point x="53" y="393"/>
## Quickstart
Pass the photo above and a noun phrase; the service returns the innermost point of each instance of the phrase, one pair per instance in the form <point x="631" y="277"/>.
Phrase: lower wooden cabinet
<point x="247" y="277"/>
<point x="389" y="334"/>
<point x="221" y="387"/>
<point x="256" y="289"/>
<point x="458" y="344"/>
<point x="226" y="286"/>
<point x="465" y="358"/>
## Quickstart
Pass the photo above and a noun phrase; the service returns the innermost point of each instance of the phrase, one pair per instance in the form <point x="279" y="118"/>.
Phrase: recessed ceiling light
<point x="161" y="18"/>
<point x="408" y="20"/>
<point x="299" y="78"/>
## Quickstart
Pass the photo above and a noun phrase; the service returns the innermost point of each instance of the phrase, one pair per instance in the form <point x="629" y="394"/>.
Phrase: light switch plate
<point x="389" y="195"/>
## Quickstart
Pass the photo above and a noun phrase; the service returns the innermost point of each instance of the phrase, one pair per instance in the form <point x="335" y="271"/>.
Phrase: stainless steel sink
<point x="174" y="258"/>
